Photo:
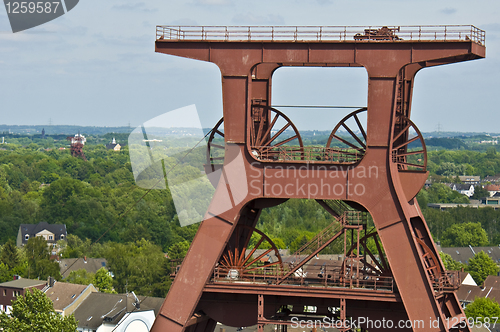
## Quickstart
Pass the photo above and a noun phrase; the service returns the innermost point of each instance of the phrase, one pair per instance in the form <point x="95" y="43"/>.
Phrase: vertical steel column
<point x="260" y="313"/>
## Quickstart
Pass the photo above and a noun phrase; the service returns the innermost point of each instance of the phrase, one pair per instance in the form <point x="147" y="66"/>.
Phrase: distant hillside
<point x="447" y="143"/>
<point x="61" y="130"/>
<point x="436" y="140"/>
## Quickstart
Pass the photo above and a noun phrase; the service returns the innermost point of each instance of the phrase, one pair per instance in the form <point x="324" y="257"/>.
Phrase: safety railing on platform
<point x="327" y="278"/>
<point x="267" y="275"/>
<point x="322" y="33"/>
<point x="446" y="281"/>
<point x="307" y="153"/>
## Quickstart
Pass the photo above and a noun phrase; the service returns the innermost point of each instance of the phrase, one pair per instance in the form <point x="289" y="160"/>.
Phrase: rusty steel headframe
<point x="202" y="295"/>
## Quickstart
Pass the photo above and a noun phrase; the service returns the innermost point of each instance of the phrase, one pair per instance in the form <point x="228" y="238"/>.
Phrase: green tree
<point x="74" y="247"/>
<point x="34" y="312"/>
<point x="450" y="264"/>
<point x="481" y="266"/>
<point x="81" y="277"/>
<point x="178" y="251"/>
<point x="441" y="193"/>
<point x="450" y="169"/>
<point x="299" y="242"/>
<point x="103" y="281"/>
<point x="5" y="274"/>
<point x="482" y="308"/>
<point x="137" y="267"/>
<point x="465" y="234"/>
<point x="9" y="255"/>
<point x="39" y="264"/>
<point x="480" y="192"/>
<point x="491" y="152"/>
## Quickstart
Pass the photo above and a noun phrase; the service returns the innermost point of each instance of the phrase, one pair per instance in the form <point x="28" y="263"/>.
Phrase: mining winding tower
<point x="391" y="271"/>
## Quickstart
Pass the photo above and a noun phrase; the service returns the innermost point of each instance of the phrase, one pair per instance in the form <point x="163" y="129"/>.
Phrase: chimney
<point x="85" y="259"/>
<point x="137" y="303"/>
<point x="51" y="282"/>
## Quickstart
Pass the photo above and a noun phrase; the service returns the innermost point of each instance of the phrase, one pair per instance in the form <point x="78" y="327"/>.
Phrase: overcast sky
<point x="96" y="65"/>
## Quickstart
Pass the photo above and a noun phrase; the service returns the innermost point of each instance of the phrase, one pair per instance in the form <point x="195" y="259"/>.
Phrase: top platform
<point x="441" y="33"/>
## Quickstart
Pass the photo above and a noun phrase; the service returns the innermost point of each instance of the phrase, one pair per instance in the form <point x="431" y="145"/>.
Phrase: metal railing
<point x="307" y="153"/>
<point x="326" y="278"/>
<point x="321" y="33"/>
<point x="347" y="218"/>
<point x="318" y="240"/>
<point x="446" y="281"/>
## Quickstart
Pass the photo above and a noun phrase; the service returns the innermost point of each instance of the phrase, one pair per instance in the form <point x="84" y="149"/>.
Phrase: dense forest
<point x="99" y="200"/>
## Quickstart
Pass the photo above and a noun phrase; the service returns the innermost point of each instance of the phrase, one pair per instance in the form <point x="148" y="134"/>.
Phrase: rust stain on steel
<point x="219" y="279"/>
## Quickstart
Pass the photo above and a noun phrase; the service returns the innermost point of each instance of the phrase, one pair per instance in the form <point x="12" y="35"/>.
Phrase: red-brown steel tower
<point x="221" y="280"/>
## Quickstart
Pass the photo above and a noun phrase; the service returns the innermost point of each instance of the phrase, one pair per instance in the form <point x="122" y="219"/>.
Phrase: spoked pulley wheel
<point x="270" y="131"/>
<point x="355" y="140"/>
<point x="240" y="260"/>
<point x="408" y="146"/>
<point x="215" y="146"/>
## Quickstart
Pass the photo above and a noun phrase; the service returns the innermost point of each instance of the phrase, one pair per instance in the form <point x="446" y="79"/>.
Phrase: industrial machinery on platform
<point x="390" y="269"/>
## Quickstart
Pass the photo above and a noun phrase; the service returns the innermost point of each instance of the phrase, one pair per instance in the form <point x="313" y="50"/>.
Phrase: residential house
<point x="493" y="200"/>
<point x="50" y="232"/>
<point x="467" y="294"/>
<point x="67" y="297"/>
<point x="464" y="254"/>
<point x="492" y="179"/>
<point x="67" y="265"/>
<point x="466" y="279"/>
<point x="117" y="312"/>
<point x="492" y="282"/>
<point x="492" y="189"/>
<point x="464" y="189"/>
<point x="470" y="179"/>
<point x="113" y="145"/>
<point x="10" y="290"/>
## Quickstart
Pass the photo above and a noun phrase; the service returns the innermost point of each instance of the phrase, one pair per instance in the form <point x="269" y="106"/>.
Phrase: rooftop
<point x="63" y="294"/>
<point x="99" y="307"/>
<point x="23" y="283"/>
<point x="444" y="206"/>
<point x="463" y="254"/>
<point x="67" y="265"/>
<point x="492" y="282"/>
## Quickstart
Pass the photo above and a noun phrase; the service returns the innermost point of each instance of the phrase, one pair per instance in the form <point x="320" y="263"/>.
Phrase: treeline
<point x="464" y="162"/>
<point x="60" y="129"/>
<point x="88" y="196"/>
